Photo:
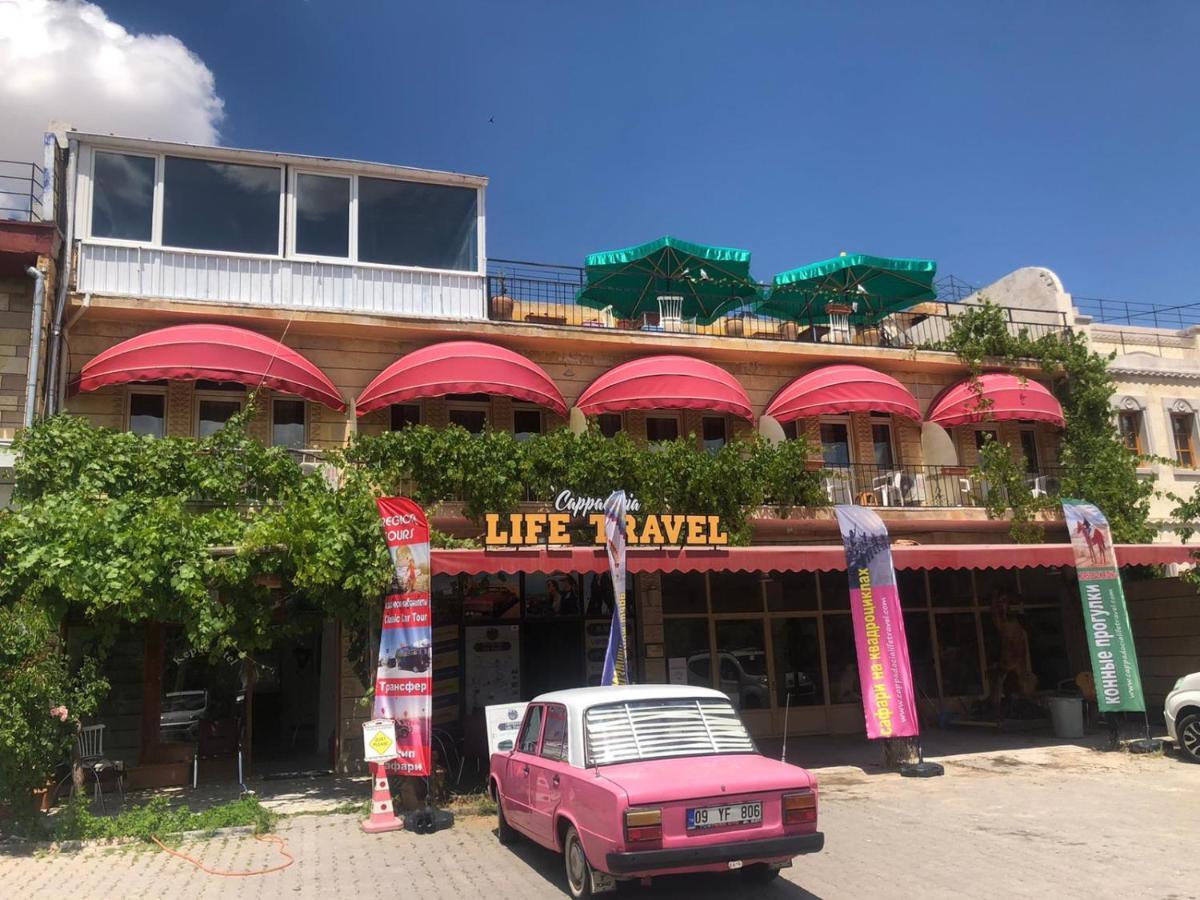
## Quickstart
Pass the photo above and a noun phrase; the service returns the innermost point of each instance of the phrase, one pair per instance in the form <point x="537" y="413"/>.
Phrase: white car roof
<point x="579" y="699"/>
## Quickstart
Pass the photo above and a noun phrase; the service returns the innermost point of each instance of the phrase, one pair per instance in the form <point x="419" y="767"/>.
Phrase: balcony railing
<point x="20" y="191"/>
<point x="922" y="486"/>
<point x="530" y="293"/>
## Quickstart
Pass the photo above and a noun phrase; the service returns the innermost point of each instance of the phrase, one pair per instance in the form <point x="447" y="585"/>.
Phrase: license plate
<point x="718" y="816"/>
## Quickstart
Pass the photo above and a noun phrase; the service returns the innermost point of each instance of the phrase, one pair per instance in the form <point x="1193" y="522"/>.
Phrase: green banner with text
<point x="1105" y="616"/>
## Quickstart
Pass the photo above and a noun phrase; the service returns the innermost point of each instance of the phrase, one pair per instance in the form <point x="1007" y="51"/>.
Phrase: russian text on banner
<point x="615" y="667"/>
<point x="404" y="677"/>
<point x="1110" y="639"/>
<point x="884" y="672"/>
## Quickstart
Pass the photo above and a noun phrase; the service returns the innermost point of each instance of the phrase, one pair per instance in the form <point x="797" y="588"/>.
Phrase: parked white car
<point x="1182" y="712"/>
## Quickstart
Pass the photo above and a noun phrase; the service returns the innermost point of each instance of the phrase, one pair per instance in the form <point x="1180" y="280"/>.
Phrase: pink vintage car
<point x="645" y="780"/>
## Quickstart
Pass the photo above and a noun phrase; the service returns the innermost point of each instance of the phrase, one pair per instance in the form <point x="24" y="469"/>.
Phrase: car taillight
<point x="643" y="825"/>
<point x="799" y="808"/>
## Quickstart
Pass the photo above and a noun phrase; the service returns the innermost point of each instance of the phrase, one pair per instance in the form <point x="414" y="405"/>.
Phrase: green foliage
<point x="1096" y="465"/>
<point x="1008" y="490"/>
<point x="157" y="818"/>
<point x="34" y="680"/>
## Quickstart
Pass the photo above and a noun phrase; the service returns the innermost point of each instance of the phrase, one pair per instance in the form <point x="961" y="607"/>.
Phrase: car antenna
<point x="787" y="705"/>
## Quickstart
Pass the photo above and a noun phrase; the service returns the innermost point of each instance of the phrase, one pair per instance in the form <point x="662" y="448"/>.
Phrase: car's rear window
<point x="657" y="729"/>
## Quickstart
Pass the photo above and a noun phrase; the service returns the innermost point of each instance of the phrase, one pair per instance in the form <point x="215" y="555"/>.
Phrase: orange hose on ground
<point x="279" y="842"/>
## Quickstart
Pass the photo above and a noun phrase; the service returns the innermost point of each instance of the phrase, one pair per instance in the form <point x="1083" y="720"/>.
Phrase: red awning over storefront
<point x="1006" y="397"/>
<point x="812" y="558"/>
<point x="212" y="352"/>
<point x="833" y="390"/>
<point x="461" y="367"/>
<point x="666" y="382"/>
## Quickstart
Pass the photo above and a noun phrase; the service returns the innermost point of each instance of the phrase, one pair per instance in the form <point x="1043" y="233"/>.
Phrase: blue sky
<point x="984" y="135"/>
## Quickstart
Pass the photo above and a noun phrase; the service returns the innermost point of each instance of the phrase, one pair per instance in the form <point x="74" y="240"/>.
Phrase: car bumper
<point x="709" y="854"/>
<point x="1170" y="720"/>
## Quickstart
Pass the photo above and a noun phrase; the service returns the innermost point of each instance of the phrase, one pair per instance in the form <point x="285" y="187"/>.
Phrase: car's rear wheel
<point x="1188" y="731"/>
<point x="579" y="870"/>
<point x="504" y="832"/>
<point x="760" y="873"/>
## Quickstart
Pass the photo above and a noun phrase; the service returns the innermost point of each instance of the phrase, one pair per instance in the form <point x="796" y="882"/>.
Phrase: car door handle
<point x="524" y="770"/>
<point x="554" y="781"/>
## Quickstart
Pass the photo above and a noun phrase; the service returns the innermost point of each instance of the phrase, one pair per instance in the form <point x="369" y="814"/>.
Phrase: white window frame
<point x="290" y="398"/>
<point x="158" y="390"/>
<point x="471" y="406"/>
<point x="293" y="215"/>
<point x="240" y="399"/>
<point x="533" y="408"/>
<point x="887" y="422"/>
<point x="837" y="420"/>
<point x="420" y="412"/>
<point x="665" y="415"/>
<point x="156" y="207"/>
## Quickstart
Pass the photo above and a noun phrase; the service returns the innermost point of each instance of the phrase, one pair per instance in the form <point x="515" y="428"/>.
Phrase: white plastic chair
<point x="887" y="486"/>
<point x="670" y="312"/>
<point x="89" y="744"/>
<point x="837" y="488"/>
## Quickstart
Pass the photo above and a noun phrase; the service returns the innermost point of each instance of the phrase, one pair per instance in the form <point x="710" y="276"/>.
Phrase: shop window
<point x="288" y="423"/>
<point x="742" y="662"/>
<point x="735" y="592"/>
<point x="1047" y="647"/>
<point x="554" y="735"/>
<point x="202" y="699"/>
<point x="322" y="215"/>
<point x="910" y="584"/>
<point x="213" y="412"/>
<point x="446" y="599"/>
<point x="531" y="730"/>
<point x="951" y="587"/>
<point x="123" y="196"/>
<point x="1029" y="451"/>
<point x="405" y="414"/>
<point x="993" y="583"/>
<point x="958" y="653"/>
<point x="835" y="443"/>
<point x="409" y="223"/>
<point x="493" y="595"/>
<point x="797" y="646"/>
<point x="598" y="595"/>
<point x="714" y="436"/>
<point x="556" y="594"/>
<point x="209" y="205"/>
<point x="662" y="428"/>
<point x="1043" y="585"/>
<point x="791" y="591"/>
<point x="881" y="441"/>
<point x="683" y="592"/>
<point x="526" y="423"/>
<point x="1129" y="423"/>
<point x="148" y="414"/>
<point x="609" y="424"/>
<point x="842" y="659"/>
<point x="835" y="589"/>
<point x="1183" y="427"/>
<point x="686" y="648"/>
<point x="920" y="652"/>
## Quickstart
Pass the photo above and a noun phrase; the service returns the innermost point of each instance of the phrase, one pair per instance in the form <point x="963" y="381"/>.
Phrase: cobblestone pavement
<point x="1036" y="824"/>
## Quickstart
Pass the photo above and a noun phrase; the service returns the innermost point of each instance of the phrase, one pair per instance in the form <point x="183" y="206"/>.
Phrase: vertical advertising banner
<point x="615" y="670"/>
<point x="884" y="672"/>
<point x="404" y="677"/>
<point x="1105" y="616"/>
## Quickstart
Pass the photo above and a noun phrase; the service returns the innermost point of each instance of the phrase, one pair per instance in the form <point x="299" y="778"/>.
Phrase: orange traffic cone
<point x="383" y="817"/>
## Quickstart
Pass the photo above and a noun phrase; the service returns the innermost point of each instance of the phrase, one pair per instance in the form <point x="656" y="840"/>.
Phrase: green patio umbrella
<point x="711" y="280"/>
<point x="875" y="286"/>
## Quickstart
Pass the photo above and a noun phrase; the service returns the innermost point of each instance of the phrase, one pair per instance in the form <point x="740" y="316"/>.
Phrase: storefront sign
<point x="884" y="672"/>
<point x="1110" y="639"/>
<point x="615" y="660"/>
<point x="532" y="529"/>
<point x="503" y="723"/>
<point x="404" y="677"/>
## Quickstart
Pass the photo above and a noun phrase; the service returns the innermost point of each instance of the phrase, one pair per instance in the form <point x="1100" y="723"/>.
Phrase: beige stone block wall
<point x="16" y="305"/>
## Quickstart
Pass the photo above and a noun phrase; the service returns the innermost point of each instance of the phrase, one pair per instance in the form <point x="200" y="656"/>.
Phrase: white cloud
<point x="66" y="61"/>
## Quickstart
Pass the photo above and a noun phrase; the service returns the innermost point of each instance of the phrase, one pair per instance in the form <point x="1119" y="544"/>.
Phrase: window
<point x="526" y="423"/>
<point x="662" y="428"/>
<point x="1183" y="426"/>
<point x="405" y="414"/>
<point x="1029" y="450"/>
<point x="123" y="196"/>
<point x="881" y="440"/>
<point x="743" y="662"/>
<point x="835" y="443"/>
<point x="148" y="414"/>
<point x="213" y="413"/>
<point x="407" y="223"/>
<point x="1129" y="423"/>
<point x="322" y="215"/>
<point x="610" y="424"/>
<point x="287" y="423"/>
<point x="554" y="740"/>
<point x="713" y="428"/>
<point x="211" y="205"/>
<point x="983" y="435"/>
<point x="531" y="730"/>
<point x="797" y="662"/>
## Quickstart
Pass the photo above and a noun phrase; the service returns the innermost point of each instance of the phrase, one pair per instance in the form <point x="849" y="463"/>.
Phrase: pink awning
<point x="1006" y="397"/>
<point x="211" y="352"/>
<point x="803" y="558"/>
<point x="834" y="390"/>
<point x="666" y="382"/>
<point x="461" y="367"/>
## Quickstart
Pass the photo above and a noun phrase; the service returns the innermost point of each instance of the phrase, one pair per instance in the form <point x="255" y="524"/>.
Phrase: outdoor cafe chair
<point x="89" y="745"/>
<point x="837" y="488"/>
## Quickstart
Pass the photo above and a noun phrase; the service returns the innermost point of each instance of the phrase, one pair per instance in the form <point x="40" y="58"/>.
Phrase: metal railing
<point x="537" y="294"/>
<point x="20" y="191"/>
<point x="927" y="486"/>
<point x="1139" y="312"/>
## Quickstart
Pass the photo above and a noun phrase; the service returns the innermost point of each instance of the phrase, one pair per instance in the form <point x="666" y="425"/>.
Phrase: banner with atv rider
<point x="1110" y="639"/>
<point x="884" y="671"/>
<point x="404" y="677"/>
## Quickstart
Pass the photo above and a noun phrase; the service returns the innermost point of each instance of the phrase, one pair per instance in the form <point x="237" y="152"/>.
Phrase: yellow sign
<point x="525" y="529"/>
<point x="379" y="740"/>
<point x="380" y="743"/>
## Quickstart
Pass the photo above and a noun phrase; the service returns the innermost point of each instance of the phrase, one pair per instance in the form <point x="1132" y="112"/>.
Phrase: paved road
<point x="1061" y="823"/>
